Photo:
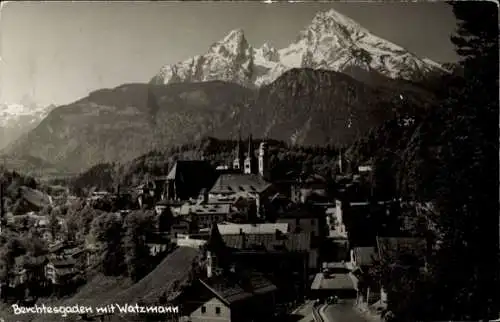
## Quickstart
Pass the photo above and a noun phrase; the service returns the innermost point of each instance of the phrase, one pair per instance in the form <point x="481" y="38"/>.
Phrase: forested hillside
<point x="284" y="161"/>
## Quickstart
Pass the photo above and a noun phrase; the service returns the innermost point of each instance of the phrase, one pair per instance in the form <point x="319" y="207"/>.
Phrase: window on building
<point x="217" y="310"/>
<point x="203" y="309"/>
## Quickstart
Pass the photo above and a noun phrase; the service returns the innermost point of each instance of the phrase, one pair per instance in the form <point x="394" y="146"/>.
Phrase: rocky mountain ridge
<point x="331" y="42"/>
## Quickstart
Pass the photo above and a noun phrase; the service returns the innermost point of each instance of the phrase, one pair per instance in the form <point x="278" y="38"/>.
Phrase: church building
<point x="249" y="163"/>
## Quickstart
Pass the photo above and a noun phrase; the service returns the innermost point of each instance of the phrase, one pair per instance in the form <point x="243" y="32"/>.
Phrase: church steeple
<point x="250" y="159"/>
<point x="238" y="154"/>
<point x="340" y="162"/>
<point x="250" y="146"/>
<point x="263" y="159"/>
<point x="215" y="242"/>
<point x="217" y="252"/>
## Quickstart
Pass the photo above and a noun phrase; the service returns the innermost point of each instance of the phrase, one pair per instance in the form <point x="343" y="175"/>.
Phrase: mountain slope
<point x="303" y="106"/>
<point x="331" y="42"/>
<point x="121" y="123"/>
<point x="311" y="107"/>
<point x="30" y="165"/>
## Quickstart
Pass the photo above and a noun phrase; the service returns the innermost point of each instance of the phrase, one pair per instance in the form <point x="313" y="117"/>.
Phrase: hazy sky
<point x="57" y="52"/>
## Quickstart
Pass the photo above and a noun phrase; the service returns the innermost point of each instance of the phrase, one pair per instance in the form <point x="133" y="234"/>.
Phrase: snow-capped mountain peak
<point x="17" y="119"/>
<point x="332" y="41"/>
<point x="235" y="36"/>
<point x="229" y="59"/>
<point x="332" y="19"/>
<point x="9" y="112"/>
<point x="267" y="52"/>
<point x="234" y="43"/>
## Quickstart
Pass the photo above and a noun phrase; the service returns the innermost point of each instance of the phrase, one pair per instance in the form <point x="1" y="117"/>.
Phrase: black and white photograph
<point x="247" y="161"/>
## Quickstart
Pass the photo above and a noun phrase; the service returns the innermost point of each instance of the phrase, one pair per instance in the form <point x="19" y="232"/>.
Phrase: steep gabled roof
<point x="235" y="183"/>
<point x="215" y="242"/>
<point x="35" y="197"/>
<point x="238" y="287"/>
<point x="205" y="209"/>
<point x="191" y="176"/>
<point x="191" y="168"/>
<point x="265" y="228"/>
<point x="293" y="242"/>
<point x="175" y="267"/>
<point x="172" y="173"/>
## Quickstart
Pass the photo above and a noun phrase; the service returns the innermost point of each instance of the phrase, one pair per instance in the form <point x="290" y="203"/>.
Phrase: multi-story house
<point x="204" y="215"/>
<point x="309" y="187"/>
<point x="19" y="275"/>
<point x="304" y="218"/>
<point x="59" y="271"/>
<point x="228" y="292"/>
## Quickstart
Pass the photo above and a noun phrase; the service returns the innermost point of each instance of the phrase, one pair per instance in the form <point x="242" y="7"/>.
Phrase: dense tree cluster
<point x="448" y="157"/>
<point x="284" y="160"/>
<point x="22" y="250"/>
<point x="123" y="241"/>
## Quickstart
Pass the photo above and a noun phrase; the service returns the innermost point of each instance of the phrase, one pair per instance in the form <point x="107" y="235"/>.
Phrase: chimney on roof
<point x="241" y="231"/>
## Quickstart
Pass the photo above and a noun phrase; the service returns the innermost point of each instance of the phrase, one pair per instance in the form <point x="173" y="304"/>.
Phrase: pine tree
<point x="451" y="159"/>
<point x="465" y="268"/>
<point x="107" y="228"/>
<point x="137" y="226"/>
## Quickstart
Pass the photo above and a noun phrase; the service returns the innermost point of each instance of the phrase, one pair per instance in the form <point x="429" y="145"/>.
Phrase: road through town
<point x="343" y="311"/>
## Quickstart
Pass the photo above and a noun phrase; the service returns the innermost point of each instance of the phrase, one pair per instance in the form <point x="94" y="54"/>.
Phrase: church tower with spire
<point x="340" y="162"/>
<point x="250" y="159"/>
<point x="263" y="159"/>
<point x="217" y="253"/>
<point x="238" y="155"/>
